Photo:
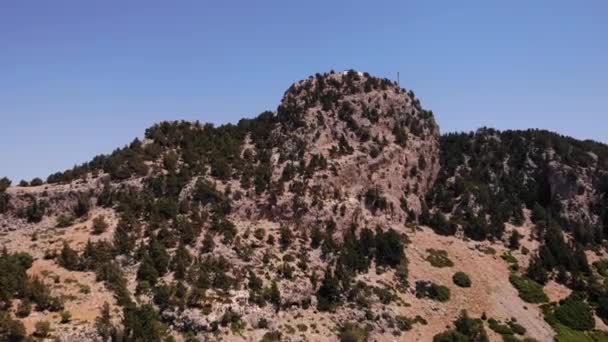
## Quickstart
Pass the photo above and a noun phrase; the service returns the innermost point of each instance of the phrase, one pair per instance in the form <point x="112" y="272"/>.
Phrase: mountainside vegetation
<point x="308" y="214"/>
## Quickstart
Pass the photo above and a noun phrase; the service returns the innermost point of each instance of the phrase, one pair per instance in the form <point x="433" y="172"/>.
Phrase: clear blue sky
<point x="79" y="78"/>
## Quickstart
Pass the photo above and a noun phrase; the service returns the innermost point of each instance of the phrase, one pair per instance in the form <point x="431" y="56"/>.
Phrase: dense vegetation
<point x="501" y="173"/>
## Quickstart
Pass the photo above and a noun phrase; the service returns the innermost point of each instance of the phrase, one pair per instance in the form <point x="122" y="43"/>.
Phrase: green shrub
<point x="262" y="323"/>
<point x="466" y="330"/>
<point x="24" y="309"/>
<point x="602" y="267"/>
<point x="404" y="323"/>
<point x="35" y="212"/>
<point x="499" y="328"/>
<point x="517" y="328"/>
<point x="427" y="289"/>
<point x="575" y="314"/>
<point x="328" y="295"/>
<point x="66" y="317"/>
<point x="64" y="220"/>
<point x="82" y="207"/>
<point x="259" y="234"/>
<point x="389" y="248"/>
<point x="36" y="182"/>
<point x="11" y="329"/>
<point x="42" y="329"/>
<point x="4" y="202"/>
<point x="374" y="199"/>
<point x="461" y="279"/>
<point x="4" y="184"/>
<point x="271" y="336"/>
<point x="509" y="258"/>
<point x="352" y="332"/>
<point x="99" y="225"/>
<point x="438" y="258"/>
<point x="529" y="290"/>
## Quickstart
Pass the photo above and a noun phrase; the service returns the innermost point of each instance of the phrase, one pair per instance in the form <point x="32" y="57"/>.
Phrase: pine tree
<point x="286" y="237"/>
<point x="328" y="295"/>
<point x="514" y="239"/>
<point x="208" y="243"/>
<point x="68" y="258"/>
<point x="103" y="323"/>
<point x="159" y="256"/>
<point x="275" y="296"/>
<point x="82" y="206"/>
<point x="181" y="262"/>
<point x="147" y="271"/>
<point x="124" y="242"/>
<point x="389" y="248"/>
<point x="536" y="271"/>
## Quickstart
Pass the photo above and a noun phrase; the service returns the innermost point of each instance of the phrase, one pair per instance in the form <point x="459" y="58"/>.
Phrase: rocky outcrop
<point x="368" y="150"/>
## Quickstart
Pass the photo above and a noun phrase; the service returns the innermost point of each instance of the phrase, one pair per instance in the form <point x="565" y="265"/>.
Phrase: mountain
<point x="344" y="215"/>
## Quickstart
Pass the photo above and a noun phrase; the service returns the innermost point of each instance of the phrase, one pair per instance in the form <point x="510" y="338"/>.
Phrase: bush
<point x="461" y="279"/>
<point x="68" y="258"/>
<point x="404" y="323"/>
<point x="82" y="207"/>
<point x="529" y="290"/>
<point x="374" y="200"/>
<point x="499" y="328"/>
<point x="514" y="239"/>
<point x="427" y="289"/>
<point x="438" y="258"/>
<point x="271" y="336"/>
<point x="262" y="323"/>
<point x="64" y="220"/>
<point x="328" y="295"/>
<point x="259" y="234"/>
<point x="4" y="202"/>
<point x="42" y="329"/>
<point x="11" y="329"/>
<point x="389" y="248"/>
<point x="575" y="314"/>
<point x="286" y="237"/>
<point x="66" y="317"/>
<point x="351" y="332"/>
<point x="142" y="323"/>
<point x="99" y="225"/>
<point x="36" y="182"/>
<point x="4" y="184"/>
<point x="13" y="277"/>
<point x="441" y="225"/>
<point x="35" y="212"/>
<point x="467" y="330"/>
<point x="602" y="267"/>
<point x="24" y="309"/>
<point x="517" y="328"/>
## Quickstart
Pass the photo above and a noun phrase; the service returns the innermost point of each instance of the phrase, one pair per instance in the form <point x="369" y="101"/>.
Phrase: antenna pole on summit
<point x="398" y="83"/>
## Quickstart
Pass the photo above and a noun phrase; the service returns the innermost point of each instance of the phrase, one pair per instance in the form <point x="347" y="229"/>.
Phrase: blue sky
<point x="79" y="78"/>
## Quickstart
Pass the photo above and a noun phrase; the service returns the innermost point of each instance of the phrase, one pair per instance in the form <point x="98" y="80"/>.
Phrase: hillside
<point x="343" y="215"/>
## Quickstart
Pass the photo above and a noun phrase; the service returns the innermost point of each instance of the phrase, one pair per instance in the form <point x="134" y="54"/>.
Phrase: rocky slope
<point x="342" y="215"/>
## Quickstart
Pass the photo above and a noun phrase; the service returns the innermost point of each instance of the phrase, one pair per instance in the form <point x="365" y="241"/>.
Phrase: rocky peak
<point x="373" y="152"/>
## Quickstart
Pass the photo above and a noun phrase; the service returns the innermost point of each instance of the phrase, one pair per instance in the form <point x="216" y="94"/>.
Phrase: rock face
<point x="575" y="188"/>
<point x="370" y="151"/>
